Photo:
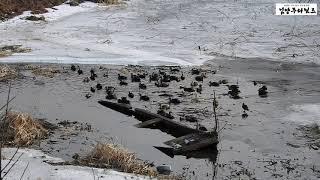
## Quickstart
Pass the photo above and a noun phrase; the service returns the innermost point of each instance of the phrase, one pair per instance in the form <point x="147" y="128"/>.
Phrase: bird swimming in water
<point x="199" y="89"/>
<point x="161" y="84"/>
<point x="135" y="78"/>
<point x="80" y="71"/>
<point x="142" y="86"/>
<point x="186" y="89"/>
<point x="199" y="78"/>
<point x="182" y="77"/>
<point x="110" y="93"/>
<point x="164" y="114"/>
<point x="130" y="95"/>
<point x="174" y="70"/>
<point x="111" y="96"/>
<point x="174" y="78"/>
<point x="189" y="118"/>
<point x="194" y="83"/>
<point x="245" y="107"/>
<point x="263" y="91"/>
<point x="86" y="80"/>
<point x="233" y="87"/>
<point x="223" y="81"/>
<point x="92" y="71"/>
<point x="255" y="83"/>
<point x="73" y="67"/>
<point x="201" y="127"/>
<point x="195" y="71"/>
<point x="92" y="78"/>
<point x="164" y="106"/>
<point x="110" y="89"/>
<point x="212" y="83"/>
<point x="144" y="97"/>
<point x="123" y="83"/>
<point x="142" y="76"/>
<point x="153" y="77"/>
<point x="174" y="101"/>
<point x="123" y="100"/>
<point x="88" y="95"/>
<point x="92" y="89"/>
<point x="244" y="115"/>
<point x="99" y="86"/>
<point x="120" y="77"/>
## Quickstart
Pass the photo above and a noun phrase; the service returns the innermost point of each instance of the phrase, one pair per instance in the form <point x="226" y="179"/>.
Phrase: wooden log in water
<point x="123" y="108"/>
<point x="168" y="125"/>
<point x="151" y="122"/>
<point x="193" y="142"/>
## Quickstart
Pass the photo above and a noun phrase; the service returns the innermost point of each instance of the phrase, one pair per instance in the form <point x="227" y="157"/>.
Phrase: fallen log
<point x="123" y="108"/>
<point x="193" y="142"/>
<point x="167" y="125"/>
<point x="149" y="123"/>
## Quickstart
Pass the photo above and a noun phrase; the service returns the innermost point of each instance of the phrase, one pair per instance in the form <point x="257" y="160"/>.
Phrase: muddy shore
<point x="265" y="145"/>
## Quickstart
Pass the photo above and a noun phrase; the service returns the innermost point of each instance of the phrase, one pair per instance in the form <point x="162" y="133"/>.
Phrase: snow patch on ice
<point x="39" y="169"/>
<point x="65" y="10"/>
<point x="305" y="114"/>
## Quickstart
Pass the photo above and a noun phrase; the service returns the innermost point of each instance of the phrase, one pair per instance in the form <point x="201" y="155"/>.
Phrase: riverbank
<point x="271" y="132"/>
<point x="34" y="164"/>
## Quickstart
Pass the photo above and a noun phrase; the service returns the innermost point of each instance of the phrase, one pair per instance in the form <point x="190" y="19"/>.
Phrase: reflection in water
<point x="211" y="153"/>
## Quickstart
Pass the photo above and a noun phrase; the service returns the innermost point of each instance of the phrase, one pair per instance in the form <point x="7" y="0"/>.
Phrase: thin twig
<point x="2" y="131"/>
<point x="12" y="165"/>
<point x="94" y="176"/>
<point x="15" y="153"/>
<point x="222" y="127"/>
<point x="24" y="171"/>
<point x="6" y="103"/>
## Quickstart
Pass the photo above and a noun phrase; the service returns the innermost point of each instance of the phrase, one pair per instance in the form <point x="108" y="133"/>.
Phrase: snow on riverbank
<point x="305" y="114"/>
<point x="39" y="169"/>
<point x="157" y="32"/>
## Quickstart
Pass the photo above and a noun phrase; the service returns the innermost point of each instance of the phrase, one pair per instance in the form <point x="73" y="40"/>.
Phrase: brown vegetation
<point x="109" y="2"/>
<point x="11" y="8"/>
<point x="9" y="50"/>
<point x="118" y="158"/>
<point x="22" y="130"/>
<point x="7" y="72"/>
<point x="46" y="72"/>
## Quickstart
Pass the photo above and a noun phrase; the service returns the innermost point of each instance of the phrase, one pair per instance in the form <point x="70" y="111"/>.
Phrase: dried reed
<point x="119" y="158"/>
<point x="23" y="129"/>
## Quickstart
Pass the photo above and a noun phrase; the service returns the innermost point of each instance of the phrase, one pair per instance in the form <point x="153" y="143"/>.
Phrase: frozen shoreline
<point x="39" y="169"/>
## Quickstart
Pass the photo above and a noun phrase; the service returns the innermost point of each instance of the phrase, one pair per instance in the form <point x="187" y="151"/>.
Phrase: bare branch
<point x="12" y="165"/>
<point x="24" y="171"/>
<point x="15" y="153"/>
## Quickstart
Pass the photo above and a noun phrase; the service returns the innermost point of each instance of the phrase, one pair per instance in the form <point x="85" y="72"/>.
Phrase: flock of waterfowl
<point x="162" y="78"/>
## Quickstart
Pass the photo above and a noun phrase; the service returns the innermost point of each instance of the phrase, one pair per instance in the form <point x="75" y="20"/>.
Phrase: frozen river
<point x="152" y="32"/>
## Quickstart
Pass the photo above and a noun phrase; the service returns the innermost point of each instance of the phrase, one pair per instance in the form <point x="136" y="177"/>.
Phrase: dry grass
<point x="6" y="72"/>
<point x="5" y="54"/>
<point x="23" y="130"/>
<point x="46" y="72"/>
<point x="9" y="50"/>
<point x="109" y="2"/>
<point x="118" y="158"/>
<point x="11" y="8"/>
